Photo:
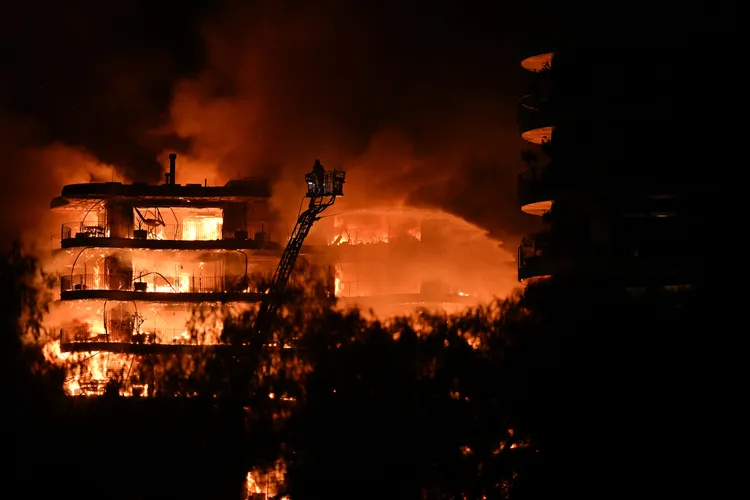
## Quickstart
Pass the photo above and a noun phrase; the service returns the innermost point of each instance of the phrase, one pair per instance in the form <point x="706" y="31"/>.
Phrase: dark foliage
<point x="564" y="390"/>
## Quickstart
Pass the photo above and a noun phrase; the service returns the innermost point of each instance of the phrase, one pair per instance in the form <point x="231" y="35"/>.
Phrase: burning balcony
<point x="170" y="275"/>
<point x="204" y="229"/>
<point x="85" y="339"/>
<point x="208" y="230"/>
<point x="141" y="326"/>
<point x="147" y="282"/>
<point x="168" y="236"/>
<point x="155" y="286"/>
<point x="166" y="216"/>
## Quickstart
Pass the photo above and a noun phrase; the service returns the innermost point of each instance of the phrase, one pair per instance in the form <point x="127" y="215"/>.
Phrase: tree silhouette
<point x="535" y="396"/>
<point x="417" y="406"/>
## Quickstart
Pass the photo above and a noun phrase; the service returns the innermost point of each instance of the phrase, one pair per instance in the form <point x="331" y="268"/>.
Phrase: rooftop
<point x="78" y="196"/>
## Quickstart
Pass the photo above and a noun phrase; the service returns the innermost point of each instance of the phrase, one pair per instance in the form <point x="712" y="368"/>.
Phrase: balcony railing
<point x="353" y="288"/>
<point x="146" y="336"/>
<point x="152" y="282"/>
<point x="175" y="232"/>
<point x="182" y="232"/>
<point x="81" y="230"/>
<point x="531" y="249"/>
<point x="533" y="114"/>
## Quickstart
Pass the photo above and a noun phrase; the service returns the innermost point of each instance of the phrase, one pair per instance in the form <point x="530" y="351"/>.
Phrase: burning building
<point x="393" y="260"/>
<point x="139" y="263"/>
<point x="138" y="260"/>
<point x="619" y="206"/>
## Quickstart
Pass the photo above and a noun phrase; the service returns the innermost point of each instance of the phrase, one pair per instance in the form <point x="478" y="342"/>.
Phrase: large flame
<point x="201" y="228"/>
<point x="413" y="251"/>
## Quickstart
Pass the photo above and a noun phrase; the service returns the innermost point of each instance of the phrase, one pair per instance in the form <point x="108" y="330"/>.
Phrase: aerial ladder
<point x="322" y="190"/>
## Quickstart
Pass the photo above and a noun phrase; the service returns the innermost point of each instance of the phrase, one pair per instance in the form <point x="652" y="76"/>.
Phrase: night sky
<point x="415" y="99"/>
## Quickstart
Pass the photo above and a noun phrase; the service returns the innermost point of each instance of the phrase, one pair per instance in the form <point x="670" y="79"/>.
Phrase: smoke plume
<point x="415" y="116"/>
<point x="33" y="176"/>
<point x="418" y="105"/>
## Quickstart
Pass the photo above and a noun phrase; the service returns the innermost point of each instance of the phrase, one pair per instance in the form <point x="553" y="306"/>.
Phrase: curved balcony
<point x="156" y="287"/>
<point x="534" y="196"/>
<point x="80" y="196"/>
<point x="539" y="62"/>
<point x="532" y="261"/>
<point x="166" y="237"/>
<point x="534" y="120"/>
<point x="84" y="339"/>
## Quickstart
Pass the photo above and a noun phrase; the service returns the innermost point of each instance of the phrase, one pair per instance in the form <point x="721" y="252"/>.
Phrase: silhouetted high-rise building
<point x="621" y="177"/>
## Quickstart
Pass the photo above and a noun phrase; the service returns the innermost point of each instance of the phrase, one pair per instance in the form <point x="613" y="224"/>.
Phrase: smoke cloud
<point x="83" y="86"/>
<point x="33" y="176"/>
<point x="418" y="105"/>
<point x="414" y="115"/>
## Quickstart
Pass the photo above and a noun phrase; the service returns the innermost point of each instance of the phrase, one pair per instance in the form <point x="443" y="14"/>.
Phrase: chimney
<point x="172" y="158"/>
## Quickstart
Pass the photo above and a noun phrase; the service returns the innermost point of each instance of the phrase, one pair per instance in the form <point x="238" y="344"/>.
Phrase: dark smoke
<point x="98" y="75"/>
<point x="82" y="85"/>
<point x="417" y="105"/>
<point x="416" y="101"/>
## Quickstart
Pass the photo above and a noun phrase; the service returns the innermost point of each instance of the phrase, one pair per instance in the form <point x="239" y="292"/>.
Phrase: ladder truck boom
<point x="322" y="190"/>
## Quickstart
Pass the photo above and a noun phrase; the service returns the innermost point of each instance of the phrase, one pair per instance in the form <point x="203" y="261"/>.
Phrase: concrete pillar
<point x="120" y="219"/>
<point x="235" y="220"/>
<point x="258" y="220"/>
<point x="119" y="268"/>
<point x="119" y="271"/>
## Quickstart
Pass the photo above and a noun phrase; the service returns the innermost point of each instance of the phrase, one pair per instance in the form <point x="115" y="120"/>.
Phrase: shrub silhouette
<point x="533" y="396"/>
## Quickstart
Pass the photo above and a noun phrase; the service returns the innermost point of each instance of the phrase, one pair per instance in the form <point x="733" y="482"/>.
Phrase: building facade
<point x="395" y="260"/>
<point x="619" y="203"/>
<point x="149" y="269"/>
<point x="138" y="263"/>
